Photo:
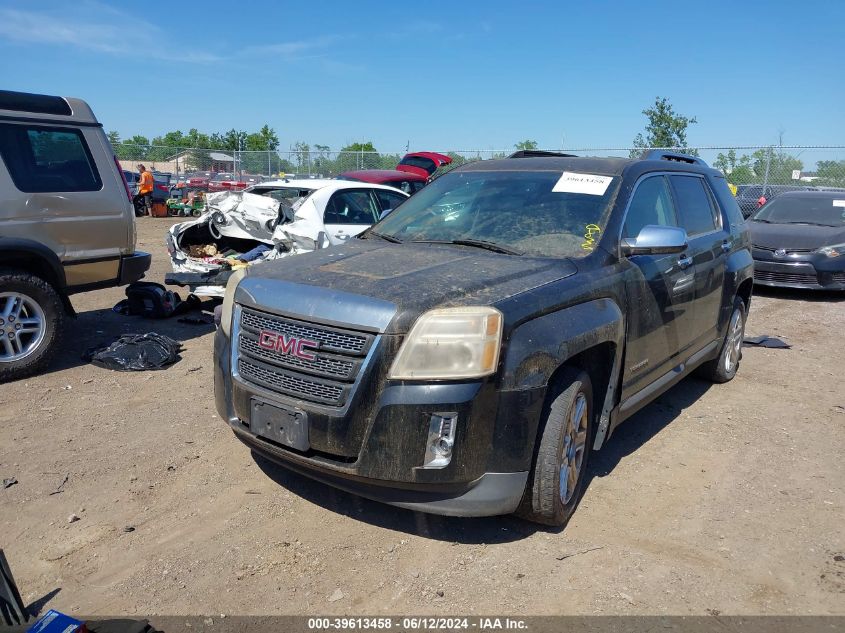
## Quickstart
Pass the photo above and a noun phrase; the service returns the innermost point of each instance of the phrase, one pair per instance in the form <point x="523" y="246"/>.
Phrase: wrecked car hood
<point x="413" y="277"/>
<point x="246" y="216"/>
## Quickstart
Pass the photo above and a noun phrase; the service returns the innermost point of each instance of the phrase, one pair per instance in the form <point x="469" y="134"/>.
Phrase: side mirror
<point x="656" y="240"/>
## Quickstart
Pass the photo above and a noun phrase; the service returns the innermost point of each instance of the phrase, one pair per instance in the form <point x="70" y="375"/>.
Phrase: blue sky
<point x="463" y="75"/>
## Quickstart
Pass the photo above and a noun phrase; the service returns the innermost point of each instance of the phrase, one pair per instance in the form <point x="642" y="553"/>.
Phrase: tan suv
<point x="66" y="222"/>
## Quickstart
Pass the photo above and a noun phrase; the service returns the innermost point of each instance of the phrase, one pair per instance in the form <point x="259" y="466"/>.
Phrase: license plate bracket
<point x="288" y="426"/>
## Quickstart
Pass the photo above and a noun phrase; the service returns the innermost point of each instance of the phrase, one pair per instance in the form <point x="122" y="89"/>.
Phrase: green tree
<point x="526" y="144"/>
<point x="781" y="165"/>
<point x="359" y="147"/>
<point x="368" y="157"/>
<point x="665" y="128"/>
<point x="830" y="173"/>
<point x="114" y="137"/>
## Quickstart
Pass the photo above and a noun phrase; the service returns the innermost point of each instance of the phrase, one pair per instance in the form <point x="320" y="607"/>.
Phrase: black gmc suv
<point x="465" y="354"/>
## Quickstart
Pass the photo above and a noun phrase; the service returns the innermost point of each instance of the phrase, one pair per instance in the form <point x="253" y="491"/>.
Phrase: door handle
<point x="685" y="262"/>
<point x="726" y="247"/>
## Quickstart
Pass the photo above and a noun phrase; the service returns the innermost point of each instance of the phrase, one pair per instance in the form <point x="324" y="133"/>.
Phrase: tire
<point x="724" y="367"/>
<point x="544" y="500"/>
<point x="32" y="311"/>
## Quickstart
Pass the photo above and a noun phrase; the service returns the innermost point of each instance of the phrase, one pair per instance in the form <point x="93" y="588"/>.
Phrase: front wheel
<point x="724" y="367"/>
<point x="31" y="318"/>
<point x="557" y="479"/>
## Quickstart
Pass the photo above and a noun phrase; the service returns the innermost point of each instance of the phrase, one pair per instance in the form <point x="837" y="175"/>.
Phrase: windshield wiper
<point x="386" y="238"/>
<point x="490" y="246"/>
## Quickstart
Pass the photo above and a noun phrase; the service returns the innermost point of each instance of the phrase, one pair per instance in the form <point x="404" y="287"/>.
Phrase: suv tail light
<point x="162" y="187"/>
<point x="122" y="177"/>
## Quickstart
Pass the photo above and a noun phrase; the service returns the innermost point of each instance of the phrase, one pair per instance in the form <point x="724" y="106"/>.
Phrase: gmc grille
<point x="327" y="378"/>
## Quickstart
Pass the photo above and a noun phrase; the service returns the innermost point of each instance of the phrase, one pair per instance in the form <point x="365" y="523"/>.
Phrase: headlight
<point x="229" y="300"/>
<point x="833" y="251"/>
<point x="451" y="343"/>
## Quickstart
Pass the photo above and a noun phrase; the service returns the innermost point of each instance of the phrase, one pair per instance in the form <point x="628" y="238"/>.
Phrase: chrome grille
<point x="788" y="250"/>
<point x="838" y="278"/>
<point x="798" y="279"/>
<point x="321" y="365"/>
<point x="329" y="338"/>
<point x="290" y="384"/>
<point x="328" y="378"/>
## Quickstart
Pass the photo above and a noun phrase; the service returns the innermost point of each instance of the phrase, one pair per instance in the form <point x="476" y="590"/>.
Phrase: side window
<point x="694" y="205"/>
<point x="45" y="159"/>
<point x="651" y="204"/>
<point x="351" y="207"/>
<point x="389" y="199"/>
<point x="728" y="202"/>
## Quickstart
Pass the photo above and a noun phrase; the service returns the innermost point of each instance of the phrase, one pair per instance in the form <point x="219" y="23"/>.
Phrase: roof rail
<point x="29" y="102"/>
<point x="534" y="153"/>
<point x="659" y="154"/>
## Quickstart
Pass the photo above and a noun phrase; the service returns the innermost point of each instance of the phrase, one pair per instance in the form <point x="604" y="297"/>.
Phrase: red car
<point x="412" y="173"/>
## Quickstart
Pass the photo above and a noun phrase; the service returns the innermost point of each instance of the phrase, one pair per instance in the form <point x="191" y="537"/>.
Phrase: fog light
<point x="441" y="439"/>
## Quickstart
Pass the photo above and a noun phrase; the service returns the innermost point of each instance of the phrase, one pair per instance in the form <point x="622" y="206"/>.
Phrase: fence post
<point x="768" y="165"/>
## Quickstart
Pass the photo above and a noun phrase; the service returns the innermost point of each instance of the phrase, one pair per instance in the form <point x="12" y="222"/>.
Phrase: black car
<point x="466" y="354"/>
<point x="799" y="241"/>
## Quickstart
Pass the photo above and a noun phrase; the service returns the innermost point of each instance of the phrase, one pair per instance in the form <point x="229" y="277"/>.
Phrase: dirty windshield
<point x="539" y="213"/>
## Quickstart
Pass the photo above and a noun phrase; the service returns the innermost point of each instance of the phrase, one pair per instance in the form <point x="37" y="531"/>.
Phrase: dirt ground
<point x="715" y="499"/>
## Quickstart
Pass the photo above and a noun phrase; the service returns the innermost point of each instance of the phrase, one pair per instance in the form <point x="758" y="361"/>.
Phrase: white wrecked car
<point x="268" y="221"/>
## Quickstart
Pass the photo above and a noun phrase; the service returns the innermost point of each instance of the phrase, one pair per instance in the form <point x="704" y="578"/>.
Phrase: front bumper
<point x="489" y="495"/>
<point x="133" y="267"/>
<point x="799" y="270"/>
<point x="379" y="441"/>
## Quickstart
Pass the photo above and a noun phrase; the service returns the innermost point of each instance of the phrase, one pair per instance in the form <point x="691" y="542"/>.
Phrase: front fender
<point x="536" y="350"/>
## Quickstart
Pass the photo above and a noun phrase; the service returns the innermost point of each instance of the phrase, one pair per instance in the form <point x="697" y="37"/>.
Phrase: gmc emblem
<point x="275" y="342"/>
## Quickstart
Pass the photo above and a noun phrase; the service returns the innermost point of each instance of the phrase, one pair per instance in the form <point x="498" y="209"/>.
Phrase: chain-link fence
<point x="797" y="166"/>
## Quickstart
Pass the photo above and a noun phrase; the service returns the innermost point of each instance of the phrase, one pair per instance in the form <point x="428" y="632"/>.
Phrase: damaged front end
<point x="240" y="229"/>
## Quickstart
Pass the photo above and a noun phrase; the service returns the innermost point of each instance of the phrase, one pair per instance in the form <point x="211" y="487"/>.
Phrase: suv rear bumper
<point x="133" y="267"/>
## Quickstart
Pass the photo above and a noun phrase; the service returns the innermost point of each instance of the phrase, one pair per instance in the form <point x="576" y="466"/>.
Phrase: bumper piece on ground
<point x="133" y="267"/>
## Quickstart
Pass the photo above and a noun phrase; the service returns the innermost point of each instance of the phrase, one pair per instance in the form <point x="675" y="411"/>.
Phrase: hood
<point x="794" y="237"/>
<point x="412" y="277"/>
<point x="423" y="163"/>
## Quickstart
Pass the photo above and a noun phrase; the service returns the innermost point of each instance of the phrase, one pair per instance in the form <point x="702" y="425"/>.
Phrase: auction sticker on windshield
<point x="592" y="184"/>
<point x="839" y="203"/>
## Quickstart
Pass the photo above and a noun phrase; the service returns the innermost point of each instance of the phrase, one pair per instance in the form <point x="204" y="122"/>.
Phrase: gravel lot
<point x="715" y="499"/>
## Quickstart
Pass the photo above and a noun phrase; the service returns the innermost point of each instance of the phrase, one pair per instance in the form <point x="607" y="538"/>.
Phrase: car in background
<point x="236" y="229"/>
<point x="798" y="241"/>
<point x="748" y="196"/>
<point x="413" y="172"/>
<point x="66" y="224"/>
<point x="161" y="184"/>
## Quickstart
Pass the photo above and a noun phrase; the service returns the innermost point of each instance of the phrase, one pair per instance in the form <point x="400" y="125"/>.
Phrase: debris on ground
<point x="136" y="352"/>
<point x="9" y="482"/>
<point x="61" y="487"/>
<point x="583" y="551"/>
<point x="73" y="518"/>
<point x="770" y="342"/>
<point x="337" y="595"/>
<point x="129" y="528"/>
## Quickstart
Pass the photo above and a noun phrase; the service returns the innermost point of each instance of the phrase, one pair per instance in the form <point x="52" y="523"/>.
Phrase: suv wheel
<point x="557" y="479"/>
<point x="724" y="367"/>
<point x="31" y="318"/>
